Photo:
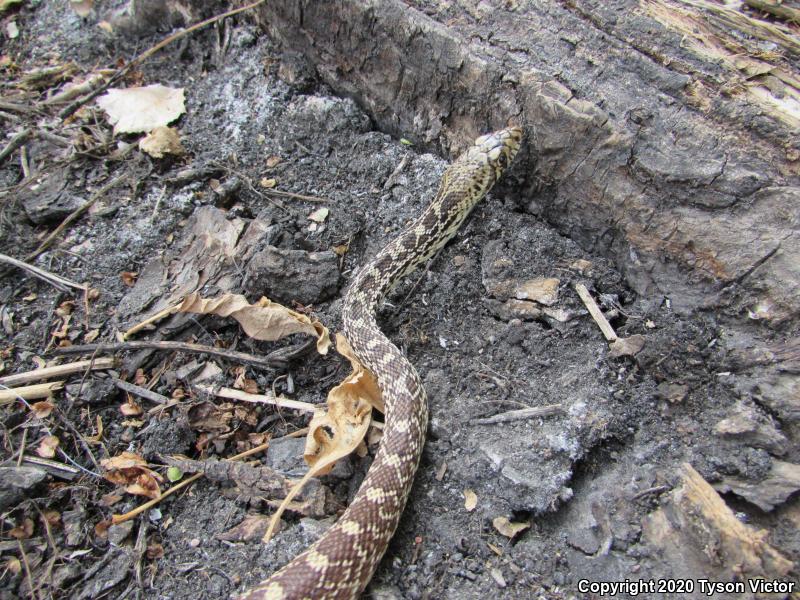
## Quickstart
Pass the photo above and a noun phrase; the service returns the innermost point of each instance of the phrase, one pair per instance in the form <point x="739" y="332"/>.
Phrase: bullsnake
<point x="341" y="563"/>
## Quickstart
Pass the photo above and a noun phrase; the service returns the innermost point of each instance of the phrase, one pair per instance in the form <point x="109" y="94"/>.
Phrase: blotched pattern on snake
<point x="341" y="563"/>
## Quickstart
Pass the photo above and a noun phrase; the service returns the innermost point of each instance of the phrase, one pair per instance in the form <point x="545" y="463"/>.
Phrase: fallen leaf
<point x="264" y="320"/>
<point x="98" y="437"/>
<point x="131" y="470"/>
<point x="130" y="408"/>
<point x="47" y="447"/>
<point x="91" y="336"/>
<point x="65" y="308"/>
<point x="470" y="500"/>
<point x="319" y="215"/>
<point x="250" y="386"/>
<point x="53" y="517"/>
<point x="273" y="161"/>
<point x="110" y="499"/>
<point x="128" y="278"/>
<point x="155" y="551"/>
<point x="626" y="346"/>
<point x="268" y="183"/>
<point x="161" y="141"/>
<point x="22" y="531"/>
<point x="339" y="431"/>
<point x="142" y="109"/>
<point x="101" y="529"/>
<point x="210" y="418"/>
<point x="42" y="409"/>
<point x="509" y="528"/>
<point x="13" y="565"/>
<point x="82" y="8"/>
<point x="30" y="297"/>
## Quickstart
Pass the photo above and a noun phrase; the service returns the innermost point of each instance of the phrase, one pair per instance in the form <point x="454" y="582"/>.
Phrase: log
<point x="652" y="137"/>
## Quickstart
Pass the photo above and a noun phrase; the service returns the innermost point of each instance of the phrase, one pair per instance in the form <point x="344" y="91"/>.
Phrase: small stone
<point x="194" y="542"/>
<point x="672" y="392"/>
<point x="497" y="575"/>
<point x="118" y="532"/>
<point x="755" y="430"/>
<point x="18" y="483"/>
<point x="286" y="275"/>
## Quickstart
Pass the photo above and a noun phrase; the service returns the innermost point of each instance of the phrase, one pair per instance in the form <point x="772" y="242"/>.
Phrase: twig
<point x="304" y="197"/>
<point x="258" y="398"/>
<point x="58" y="282"/>
<point x="52" y="464"/>
<point x="521" y="414"/>
<point x="30" y="392"/>
<point x="74" y="215"/>
<point x="233" y="355"/>
<point x="776" y="9"/>
<point x="115" y="519"/>
<point x="27" y="567"/>
<point x="140" y="391"/>
<point x="121" y="72"/>
<point x="597" y="314"/>
<point x="57" y="371"/>
<point x="15" y="142"/>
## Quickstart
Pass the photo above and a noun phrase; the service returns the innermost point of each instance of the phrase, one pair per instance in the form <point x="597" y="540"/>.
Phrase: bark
<point x="653" y="135"/>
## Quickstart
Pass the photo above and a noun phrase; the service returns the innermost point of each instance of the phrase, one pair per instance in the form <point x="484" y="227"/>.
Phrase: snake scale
<point x="340" y="564"/>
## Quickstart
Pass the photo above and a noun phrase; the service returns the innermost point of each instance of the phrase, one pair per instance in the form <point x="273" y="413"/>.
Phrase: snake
<point x="340" y="564"/>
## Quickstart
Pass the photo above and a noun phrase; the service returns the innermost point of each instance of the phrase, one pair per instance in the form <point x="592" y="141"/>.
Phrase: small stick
<point x="115" y="519"/>
<point x="140" y="391"/>
<point x="52" y="464"/>
<point x="58" y="282"/>
<point x="233" y="355"/>
<point x="15" y="142"/>
<point x="30" y="392"/>
<point x="519" y="415"/>
<point x="163" y="313"/>
<point x="121" y="72"/>
<point x="597" y="314"/>
<point x="74" y="215"/>
<point x="304" y="197"/>
<point x="57" y="371"/>
<point x="259" y="398"/>
<point x="776" y="9"/>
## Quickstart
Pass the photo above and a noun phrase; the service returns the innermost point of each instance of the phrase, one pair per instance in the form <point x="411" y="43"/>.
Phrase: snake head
<point x="498" y="149"/>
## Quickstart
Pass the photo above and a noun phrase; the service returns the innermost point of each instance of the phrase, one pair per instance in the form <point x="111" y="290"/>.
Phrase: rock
<point x="782" y="481"/>
<point x="542" y="290"/>
<point x="626" y="346"/>
<point x="672" y="392"/>
<point x="755" y="430"/>
<point x="286" y="455"/>
<point x="47" y="200"/>
<point x="118" y="532"/>
<point x="293" y="275"/>
<point x="18" y="483"/>
<point x="514" y="309"/>
<point x="694" y="528"/>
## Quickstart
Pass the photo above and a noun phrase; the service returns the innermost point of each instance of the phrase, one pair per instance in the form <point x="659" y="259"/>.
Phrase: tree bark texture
<point x="652" y="137"/>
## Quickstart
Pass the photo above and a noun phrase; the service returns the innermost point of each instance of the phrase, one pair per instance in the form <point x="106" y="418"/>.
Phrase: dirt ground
<point x="586" y="480"/>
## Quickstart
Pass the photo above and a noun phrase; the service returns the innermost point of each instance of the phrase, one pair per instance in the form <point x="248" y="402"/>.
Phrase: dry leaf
<point x="13" y="565"/>
<point x="250" y="386"/>
<point x="101" y="529"/>
<point x="509" y="528"/>
<point x="142" y="109"/>
<point x="470" y="500"/>
<point x="30" y="297"/>
<point x="42" y="409"/>
<point x="268" y="183"/>
<point x="53" y="517"/>
<point x="319" y="215"/>
<point x="82" y="8"/>
<point x="91" y="336"/>
<point x="265" y="320"/>
<point x="337" y="433"/>
<point x="161" y="141"/>
<point x="155" y="551"/>
<point x="22" y="531"/>
<point x="130" y="408"/>
<point x="131" y="470"/>
<point x="47" y="447"/>
<point x="273" y="161"/>
<point x="128" y="278"/>
<point x="209" y="417"/>
<point x="65" y="308"/>
<point x="98" y="437"/>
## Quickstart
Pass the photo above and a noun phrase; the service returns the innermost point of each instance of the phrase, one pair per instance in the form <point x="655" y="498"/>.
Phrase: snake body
<point x="340" y="564"/>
